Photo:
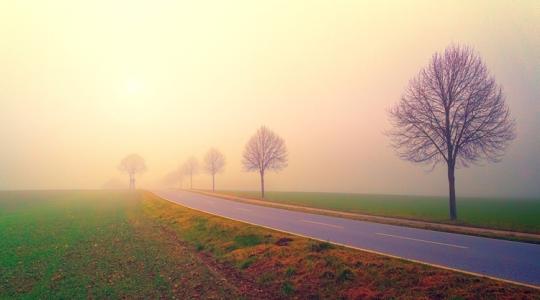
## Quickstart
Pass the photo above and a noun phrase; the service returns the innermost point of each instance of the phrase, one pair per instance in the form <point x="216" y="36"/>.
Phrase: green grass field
<point x="509" y="214"/>
<point x="94" y="244"/>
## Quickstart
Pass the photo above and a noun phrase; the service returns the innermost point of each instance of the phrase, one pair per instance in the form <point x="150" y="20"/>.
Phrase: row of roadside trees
<point x="452" y="113"/>
<point x="214" y="163"/>
<point x="264" y="152"/>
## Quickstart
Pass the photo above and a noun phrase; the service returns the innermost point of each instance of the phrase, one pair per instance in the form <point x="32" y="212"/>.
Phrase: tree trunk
<point x="131" y="181"/>
<point x="191" y="181"/>
<point x="213" y="183"/>
<point x="262" y="185"/>
<point x="452" y="191"/>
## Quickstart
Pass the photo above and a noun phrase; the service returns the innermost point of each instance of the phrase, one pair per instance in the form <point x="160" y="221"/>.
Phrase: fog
<point x="83" y="84"/>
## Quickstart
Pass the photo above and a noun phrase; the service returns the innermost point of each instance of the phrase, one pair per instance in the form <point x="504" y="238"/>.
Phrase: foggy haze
<point x="83" y="84"/>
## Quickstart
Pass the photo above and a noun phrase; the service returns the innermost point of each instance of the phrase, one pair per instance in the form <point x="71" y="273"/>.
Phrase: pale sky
<point x="84" y="83"/>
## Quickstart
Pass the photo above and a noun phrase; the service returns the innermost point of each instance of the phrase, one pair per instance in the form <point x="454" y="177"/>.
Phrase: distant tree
<point x="191" y="168"/>
<point x="179" y="177"/>
<point x="265" y="151"/>
<point x="173" y="179"/>
<point x="132" y="164"/>
<point x="214" y="162"/>
<point x="454" y="112"/>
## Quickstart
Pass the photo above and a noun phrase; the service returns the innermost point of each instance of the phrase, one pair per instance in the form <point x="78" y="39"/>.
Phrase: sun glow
<point x="133" y="87"/>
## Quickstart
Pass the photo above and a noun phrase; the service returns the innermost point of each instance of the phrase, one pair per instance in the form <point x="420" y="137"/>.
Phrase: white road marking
<point x="424" y="241"/>
<point x="325" y="224"/>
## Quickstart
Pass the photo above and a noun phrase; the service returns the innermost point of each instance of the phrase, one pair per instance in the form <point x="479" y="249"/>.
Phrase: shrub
<point x="248" y="240"/>
<point x="290" y="272"/>
<point x="345" y="275"/>
<point x="321" y="246"/>
<point x="287" y="288"/>
<point x="247" y="262"/>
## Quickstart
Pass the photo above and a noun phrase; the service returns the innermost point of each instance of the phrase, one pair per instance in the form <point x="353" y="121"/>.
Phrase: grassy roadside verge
<point x="306" y="269"/>
<point x="446" y="226"/>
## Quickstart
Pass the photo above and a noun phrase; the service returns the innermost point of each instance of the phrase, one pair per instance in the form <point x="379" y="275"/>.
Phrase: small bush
<point x="321" y="246"/>
<point x="287" y="288"/>
<point x="345" y="275"/>
<point x="283" y="241"/>
<point x="290" y="272"/>
<point x="229" y="246"/>
<point x="248" y="240"/>
<point x="247" y="262"/>
<point x="199" y="247"/>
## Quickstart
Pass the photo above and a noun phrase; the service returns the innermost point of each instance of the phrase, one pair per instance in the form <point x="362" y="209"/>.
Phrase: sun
<point x="130" y="103"/>
<point x="132" y="87"/>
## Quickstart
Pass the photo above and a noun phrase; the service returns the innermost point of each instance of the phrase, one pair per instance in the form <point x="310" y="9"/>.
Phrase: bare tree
<point x="132" y="164"/>
<point x="214" y="162"/>
<point x="265" y="151"/>
<point x="173" y="178"/>
<point x="179" y="177"/>
<point x="191" y="168"/>
<point x="454" y="112"/>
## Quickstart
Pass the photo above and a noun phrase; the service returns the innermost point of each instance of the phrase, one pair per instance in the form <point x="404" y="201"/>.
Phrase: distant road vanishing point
<point x="507" y="260"/>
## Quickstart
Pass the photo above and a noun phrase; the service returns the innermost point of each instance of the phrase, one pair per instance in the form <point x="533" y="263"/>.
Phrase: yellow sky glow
<point x="83" y="83"/>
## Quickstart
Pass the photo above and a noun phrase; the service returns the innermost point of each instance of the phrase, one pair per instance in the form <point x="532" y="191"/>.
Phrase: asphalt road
<point x="497" y="258"/>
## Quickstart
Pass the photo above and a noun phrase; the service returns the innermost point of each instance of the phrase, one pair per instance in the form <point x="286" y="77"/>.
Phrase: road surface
<point x="507" y="260"/>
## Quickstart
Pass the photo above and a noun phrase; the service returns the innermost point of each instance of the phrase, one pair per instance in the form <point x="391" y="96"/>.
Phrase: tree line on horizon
<point x="265" y="151"/>
<point x="451" y="112"/>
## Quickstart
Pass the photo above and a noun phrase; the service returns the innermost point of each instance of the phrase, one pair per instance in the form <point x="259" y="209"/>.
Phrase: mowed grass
<point x="498" y="213"/>
<point x="94" y="244"/>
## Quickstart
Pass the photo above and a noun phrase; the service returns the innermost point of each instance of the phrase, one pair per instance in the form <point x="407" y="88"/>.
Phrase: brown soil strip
<point x="226" y="273"/>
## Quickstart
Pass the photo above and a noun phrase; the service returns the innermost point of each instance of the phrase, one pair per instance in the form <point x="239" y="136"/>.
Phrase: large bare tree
<point x="214" y="163"/>
<point x="191" y="168"/>
<point x="265" y="151"/>
<point x="454" y="112"/>
<point x="132" y="164"/>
